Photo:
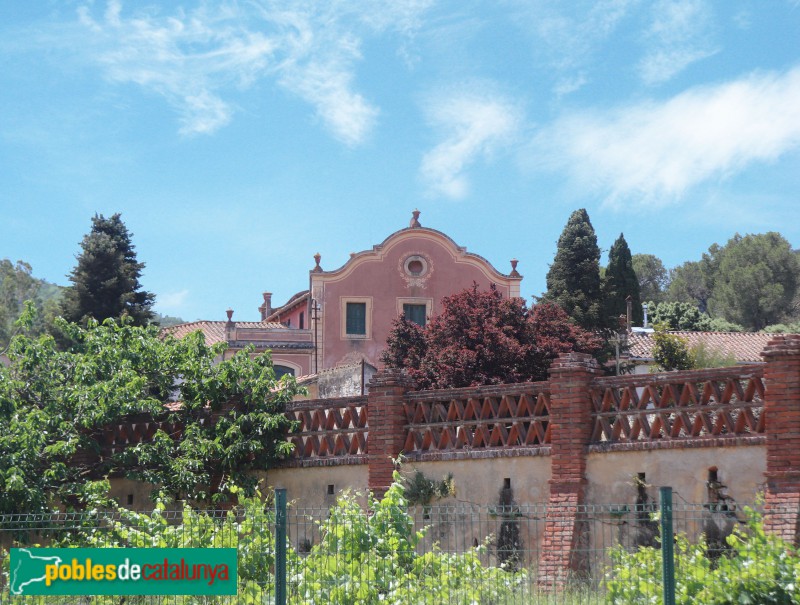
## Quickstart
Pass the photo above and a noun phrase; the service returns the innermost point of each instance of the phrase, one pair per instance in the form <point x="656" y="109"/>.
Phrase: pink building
<point x="346" y="314"/>
<point x="409" y="273"/>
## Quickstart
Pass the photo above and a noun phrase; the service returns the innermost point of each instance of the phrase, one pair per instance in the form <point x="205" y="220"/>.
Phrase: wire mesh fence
<point x="466" y="554"/>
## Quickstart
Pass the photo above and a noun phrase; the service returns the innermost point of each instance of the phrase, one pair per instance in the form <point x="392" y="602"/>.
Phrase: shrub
<point x="758" y="569"/>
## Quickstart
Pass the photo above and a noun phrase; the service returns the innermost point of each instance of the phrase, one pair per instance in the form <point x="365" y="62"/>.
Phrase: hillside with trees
<point x="17" y="285"/>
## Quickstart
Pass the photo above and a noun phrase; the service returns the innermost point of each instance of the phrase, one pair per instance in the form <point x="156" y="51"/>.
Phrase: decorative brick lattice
<point x="117" y="437"/>
<point x="724" y="402"/>
<point x="329" y="427"/>
<point x="478" y="418"/>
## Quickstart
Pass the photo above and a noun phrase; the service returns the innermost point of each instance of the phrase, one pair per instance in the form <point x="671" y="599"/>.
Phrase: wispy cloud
<point x="569" y="35"/>
<point x="679" y="35"/>
<point x="194" y="57"/>
<point x="172" y="301"/>
<point x="656" y="151"/>
<point x="472" y="124"/>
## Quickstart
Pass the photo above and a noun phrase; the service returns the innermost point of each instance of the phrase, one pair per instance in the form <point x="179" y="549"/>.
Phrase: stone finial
<point x="352" y="254"/>
<point x="414" y="224"/>
<point x="229" y="313"/>
<point x="317" y="258"/>
<point x="514" y="272"/>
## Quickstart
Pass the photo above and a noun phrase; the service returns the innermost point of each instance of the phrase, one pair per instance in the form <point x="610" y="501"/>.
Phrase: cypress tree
<point x="619" y="283"/>
<point x="105" y="282"/>
<point x="573" y="281"/>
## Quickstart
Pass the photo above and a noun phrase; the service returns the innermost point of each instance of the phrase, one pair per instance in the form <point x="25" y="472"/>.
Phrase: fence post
<point x="667" y="550"/>
<point x="280" y="546"/>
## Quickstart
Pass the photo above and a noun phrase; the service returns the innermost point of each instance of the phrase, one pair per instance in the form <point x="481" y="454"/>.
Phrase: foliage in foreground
<point x="757" y="569"/>
<point x="56" y="404"/>
<point x="362" y="558"/>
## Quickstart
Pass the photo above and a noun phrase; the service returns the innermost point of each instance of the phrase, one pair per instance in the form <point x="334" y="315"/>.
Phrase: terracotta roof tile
<point x="746" y="347"/>
<point x="214" y="331"/>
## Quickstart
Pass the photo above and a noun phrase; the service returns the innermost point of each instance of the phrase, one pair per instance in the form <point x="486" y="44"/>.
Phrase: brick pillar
<point x="387" y="426"/>
<point x="782" y="409"/>
<point x="570" y="430"/>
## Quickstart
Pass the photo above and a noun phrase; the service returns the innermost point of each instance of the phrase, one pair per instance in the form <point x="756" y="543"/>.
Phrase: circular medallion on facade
<point x="415" y="268"/>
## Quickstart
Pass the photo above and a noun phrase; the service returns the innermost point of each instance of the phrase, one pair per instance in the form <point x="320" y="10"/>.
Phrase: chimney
<point x="266" y="308"/>
<point x="230" y="327"/>
<point x="644" y="308"/>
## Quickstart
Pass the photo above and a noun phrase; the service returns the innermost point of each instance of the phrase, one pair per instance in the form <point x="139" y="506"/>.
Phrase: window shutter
<point x="356" y="318"/>
<point x="416" y="313"/>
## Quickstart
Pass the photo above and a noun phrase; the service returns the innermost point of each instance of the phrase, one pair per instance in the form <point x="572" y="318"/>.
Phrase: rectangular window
<point x="415" y="313"/>
<point x="356" y="319"/>
<point x="302" y="318"/>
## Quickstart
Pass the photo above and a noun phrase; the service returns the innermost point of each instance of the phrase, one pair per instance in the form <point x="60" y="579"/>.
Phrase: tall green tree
<point x="105" y="282"/>
<point x="693" y="281"/>
<point x="653" y="276"/>
<point x="619" y="282"/>
<point x="573" y="281"/>
<point x="686" y="316"/>
<point x="219" y="419"/>
<point x="756" y="280"/>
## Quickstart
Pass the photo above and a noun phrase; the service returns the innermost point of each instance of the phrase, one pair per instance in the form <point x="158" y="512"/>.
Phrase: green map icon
<point x="27" y="568"/>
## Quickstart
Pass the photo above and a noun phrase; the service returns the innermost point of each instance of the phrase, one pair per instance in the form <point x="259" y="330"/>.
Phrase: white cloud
<point x="679" y="35"/>
<point x="571" y="33"/>
<point x="193" y="57"/>
<point x="473" y="124"/>
<point x="655" y="151"/>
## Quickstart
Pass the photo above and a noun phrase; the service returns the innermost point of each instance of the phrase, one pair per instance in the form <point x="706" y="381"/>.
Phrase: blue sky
<point x="239" y="138"/>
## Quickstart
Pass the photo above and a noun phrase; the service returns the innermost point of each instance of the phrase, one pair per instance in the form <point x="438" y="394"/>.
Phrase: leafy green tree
<point x="678" y="316"/>
<point x="756" y="280"/>
<point x="670" y="351"/>
<point x="787" y="328"/>
<point x="573" y="281"/>
<point x="652" y="275"/>
<point x="619" y="282"/>
<point x="105" y="282"/>
<point x="220" y="419"/>
<point x="693" y="281"/>
<point x="687" y="317"/>
<point x="718" y="324"/>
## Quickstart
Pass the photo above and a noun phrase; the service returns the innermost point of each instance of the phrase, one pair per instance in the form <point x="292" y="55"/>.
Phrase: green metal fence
<point x="461" y="554"/>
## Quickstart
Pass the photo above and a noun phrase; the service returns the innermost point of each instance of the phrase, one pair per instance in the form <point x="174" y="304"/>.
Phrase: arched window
<point x="281" y="370"/>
